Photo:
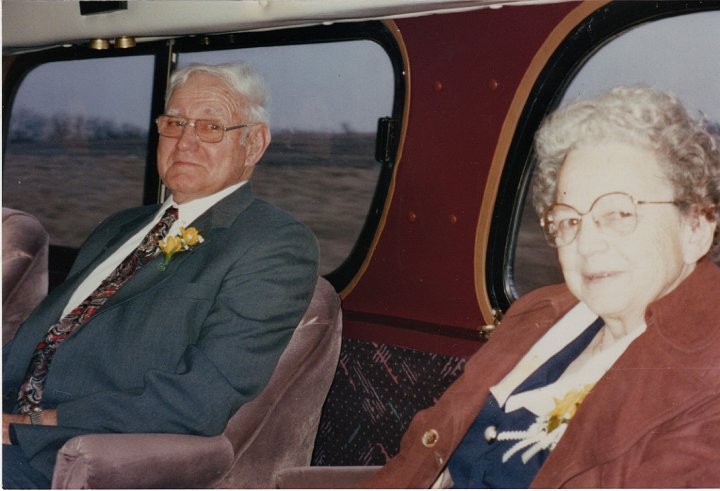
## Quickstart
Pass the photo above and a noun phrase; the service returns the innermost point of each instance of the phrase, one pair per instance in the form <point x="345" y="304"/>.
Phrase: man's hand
<point x="47" y="418"/>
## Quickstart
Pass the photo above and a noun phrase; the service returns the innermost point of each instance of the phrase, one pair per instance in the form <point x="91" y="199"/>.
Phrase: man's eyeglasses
<point x="206" y="130"/>
<point x="615" y="214"/>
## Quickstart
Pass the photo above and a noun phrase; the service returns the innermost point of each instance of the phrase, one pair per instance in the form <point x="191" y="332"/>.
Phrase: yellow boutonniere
<point x="190" y="236"/>
<point x="172" y="244"/>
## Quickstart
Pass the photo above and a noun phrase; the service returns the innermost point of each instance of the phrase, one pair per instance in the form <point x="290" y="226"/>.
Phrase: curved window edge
<point x="592" y="33"/>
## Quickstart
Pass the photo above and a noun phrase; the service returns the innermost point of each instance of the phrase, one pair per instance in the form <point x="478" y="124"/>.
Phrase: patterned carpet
<point x="376" y="391"/>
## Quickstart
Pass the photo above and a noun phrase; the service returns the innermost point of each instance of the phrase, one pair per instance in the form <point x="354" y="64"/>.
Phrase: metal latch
<point x="486" y="330"/>
<point x="387" y="139"/>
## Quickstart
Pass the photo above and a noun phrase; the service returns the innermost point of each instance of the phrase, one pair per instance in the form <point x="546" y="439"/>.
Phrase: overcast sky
<point x="313" y="87"/>
<point x="325" y="86"/>
<point x="349" y="85"/>
<point x="679" y="54"/>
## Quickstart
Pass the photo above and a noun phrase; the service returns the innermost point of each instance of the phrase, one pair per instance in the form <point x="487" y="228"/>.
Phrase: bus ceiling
<point x="67" y="22"/>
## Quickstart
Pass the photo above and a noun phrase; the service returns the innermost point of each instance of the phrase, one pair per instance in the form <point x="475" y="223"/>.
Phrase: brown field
<point x="327" y="181"/>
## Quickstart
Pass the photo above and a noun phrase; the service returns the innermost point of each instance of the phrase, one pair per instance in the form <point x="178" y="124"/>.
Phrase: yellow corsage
<point x="546" y="431"/>
<point x="565" y="408"/>
<point x="172" y="244"/>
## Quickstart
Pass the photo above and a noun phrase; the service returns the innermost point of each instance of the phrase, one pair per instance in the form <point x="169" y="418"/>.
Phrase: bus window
<point x="76" y="143"/>
<point x="677" y="54"/>
<point x="324" y="111"/>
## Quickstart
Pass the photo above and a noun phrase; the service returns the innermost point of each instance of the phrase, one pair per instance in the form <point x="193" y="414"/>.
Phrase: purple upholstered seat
<point x="24" y="268"/>
<point x="273" y="432"/>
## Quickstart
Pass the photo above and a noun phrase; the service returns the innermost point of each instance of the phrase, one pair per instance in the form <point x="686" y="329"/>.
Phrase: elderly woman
<point x="612" y="379"/>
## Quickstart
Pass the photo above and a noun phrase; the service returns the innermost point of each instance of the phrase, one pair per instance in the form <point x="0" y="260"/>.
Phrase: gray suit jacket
<point x="174" y="351"/>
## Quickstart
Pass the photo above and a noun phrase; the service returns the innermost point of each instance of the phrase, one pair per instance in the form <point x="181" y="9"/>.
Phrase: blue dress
<point x="477" y="462"/>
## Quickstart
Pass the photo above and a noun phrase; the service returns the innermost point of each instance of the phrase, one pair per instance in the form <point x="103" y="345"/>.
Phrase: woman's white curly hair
<point x="638" y="115"/>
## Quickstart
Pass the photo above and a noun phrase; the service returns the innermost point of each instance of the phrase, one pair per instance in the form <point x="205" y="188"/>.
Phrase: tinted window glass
<point x="77" y="143"/>
<point x="325" y="101"/>
<point x="678" y="54"/>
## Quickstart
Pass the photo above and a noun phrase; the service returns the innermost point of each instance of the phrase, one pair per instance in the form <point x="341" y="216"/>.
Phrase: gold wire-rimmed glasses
<point x="615" y="214"/>
<point x="206" y="130"/>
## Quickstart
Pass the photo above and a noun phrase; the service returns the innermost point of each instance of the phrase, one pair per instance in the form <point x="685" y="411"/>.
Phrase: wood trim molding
<point x="395" y="30"/>
<point x="546" y="50"/>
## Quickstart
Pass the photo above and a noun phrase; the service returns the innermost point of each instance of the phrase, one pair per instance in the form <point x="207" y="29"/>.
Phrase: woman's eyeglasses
<point x="614" y="214"/>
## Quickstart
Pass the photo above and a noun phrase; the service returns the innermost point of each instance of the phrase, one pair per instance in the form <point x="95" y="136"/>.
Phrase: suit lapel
<point x="125" y="231"/>
<point x="210" y="224"/>
<point x="68" y="287"/>
<point x="50" y="310"/>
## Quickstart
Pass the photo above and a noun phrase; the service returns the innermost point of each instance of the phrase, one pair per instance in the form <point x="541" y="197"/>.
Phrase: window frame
<point x="578" y="47"/>
<point x="375" y="31"/>
<point x="17" y="66"/>
<point x="61" y="258"/>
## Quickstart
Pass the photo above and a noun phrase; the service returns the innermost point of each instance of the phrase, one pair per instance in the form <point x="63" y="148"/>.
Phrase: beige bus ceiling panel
<point x="62" y="22"/>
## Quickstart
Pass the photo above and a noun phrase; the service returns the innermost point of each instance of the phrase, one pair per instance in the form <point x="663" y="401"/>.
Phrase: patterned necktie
<point x="31" y="390"/>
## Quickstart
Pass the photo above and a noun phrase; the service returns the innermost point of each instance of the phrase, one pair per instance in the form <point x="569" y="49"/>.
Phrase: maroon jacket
<point x="653" y="420"/>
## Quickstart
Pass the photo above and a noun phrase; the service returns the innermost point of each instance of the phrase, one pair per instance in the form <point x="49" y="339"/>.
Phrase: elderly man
<point x="172" y="316"/>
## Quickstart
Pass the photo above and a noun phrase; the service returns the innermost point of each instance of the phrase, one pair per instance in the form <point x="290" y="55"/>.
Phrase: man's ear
<point x="698" y="233"/>
<point x="256" y="142"/>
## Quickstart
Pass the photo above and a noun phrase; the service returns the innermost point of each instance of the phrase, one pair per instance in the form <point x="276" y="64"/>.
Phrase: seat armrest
<point x="142" y="460"/>
<point x="320" y="477"/>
